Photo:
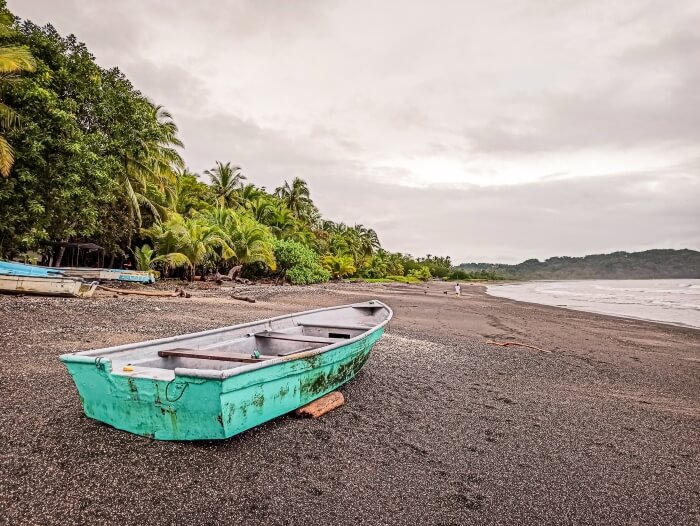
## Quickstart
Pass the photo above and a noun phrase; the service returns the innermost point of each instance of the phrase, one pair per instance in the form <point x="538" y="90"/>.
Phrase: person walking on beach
<point x="458" y="290"/>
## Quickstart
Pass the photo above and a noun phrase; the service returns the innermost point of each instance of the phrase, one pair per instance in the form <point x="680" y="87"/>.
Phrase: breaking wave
<point x="667" y="300"/>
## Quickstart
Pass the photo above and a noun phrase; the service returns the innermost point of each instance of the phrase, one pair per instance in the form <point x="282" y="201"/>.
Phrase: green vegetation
<point x="299" y="263"/>
<point x="13" y="61"/>
<point x="650" y="264"/>
<point x="84" y="156"/>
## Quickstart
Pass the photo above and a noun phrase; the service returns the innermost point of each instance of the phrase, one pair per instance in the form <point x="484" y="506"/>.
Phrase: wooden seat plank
<point x="224" y="357"/>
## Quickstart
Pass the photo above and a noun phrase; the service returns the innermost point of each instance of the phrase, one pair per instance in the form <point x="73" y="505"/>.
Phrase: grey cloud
<point x="611" y="116"/>
<point x="337" y="92"/>
<point x="532" y="220"/>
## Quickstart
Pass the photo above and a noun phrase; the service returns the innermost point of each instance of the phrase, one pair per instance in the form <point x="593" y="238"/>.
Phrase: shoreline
<point x="600" y="313"/>
<point x="439" y="426"/>
<point x="585" y="308"/>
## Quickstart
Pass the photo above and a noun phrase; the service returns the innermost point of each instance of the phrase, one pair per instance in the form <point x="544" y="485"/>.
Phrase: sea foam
<point x="675" y="301"/>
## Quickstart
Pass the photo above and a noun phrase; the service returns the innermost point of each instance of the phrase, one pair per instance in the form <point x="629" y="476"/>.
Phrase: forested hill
<point x="649" y="264"/>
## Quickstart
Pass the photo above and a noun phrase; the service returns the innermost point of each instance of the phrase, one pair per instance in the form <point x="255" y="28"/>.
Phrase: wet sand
<point x="438" y="428"/>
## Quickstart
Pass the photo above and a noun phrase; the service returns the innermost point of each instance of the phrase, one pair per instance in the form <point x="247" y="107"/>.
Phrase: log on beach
<point x="243" y="298"/>
<point x="156" y="293"/>
<point x="323" y="405"/>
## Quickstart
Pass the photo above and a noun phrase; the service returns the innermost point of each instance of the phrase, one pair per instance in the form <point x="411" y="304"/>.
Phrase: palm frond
<point x="8" y="117"/>
<point x="133" y="199"/>
<point x="7" y="157"/>
<point x="14" y="59"/>
<point x="173" y="260"/>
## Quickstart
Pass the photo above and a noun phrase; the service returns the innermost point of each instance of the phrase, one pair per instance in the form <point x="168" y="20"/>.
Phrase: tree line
<point x="85" y="156"/>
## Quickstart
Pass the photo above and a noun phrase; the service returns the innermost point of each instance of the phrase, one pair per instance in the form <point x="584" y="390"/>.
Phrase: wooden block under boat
<point x="323" y="405"/>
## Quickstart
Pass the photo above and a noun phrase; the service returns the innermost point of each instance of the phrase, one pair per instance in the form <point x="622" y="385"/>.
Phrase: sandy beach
<point x="439" y="427"/>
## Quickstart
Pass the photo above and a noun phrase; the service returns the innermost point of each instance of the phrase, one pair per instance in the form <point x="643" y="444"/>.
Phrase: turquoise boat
<point x="86" y="273"/>
<point x="110" y="274"/>
<point x="218" y="383"/>
<point x="11" y="268"/>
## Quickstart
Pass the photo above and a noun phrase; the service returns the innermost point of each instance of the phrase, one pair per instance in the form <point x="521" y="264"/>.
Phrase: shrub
<point x="299" y="263"/>
<point x="339" y="266"/>
<point x="422" y="273"/>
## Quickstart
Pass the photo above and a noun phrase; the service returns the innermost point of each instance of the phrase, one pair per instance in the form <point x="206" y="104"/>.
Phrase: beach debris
<point x="323" y="405"/>
<point x="235" y="272"/>
<point x="158" y="293"/>
<point x="517" y="344"/>
<point x="243" y="298"/>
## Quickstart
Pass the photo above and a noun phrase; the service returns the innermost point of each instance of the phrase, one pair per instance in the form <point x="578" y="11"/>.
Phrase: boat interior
<point x="237" y="346"/>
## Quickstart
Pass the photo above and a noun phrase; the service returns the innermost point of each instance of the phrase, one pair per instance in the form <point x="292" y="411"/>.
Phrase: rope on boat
<point x="167" y="386"/>
<point x="517" y="344"/>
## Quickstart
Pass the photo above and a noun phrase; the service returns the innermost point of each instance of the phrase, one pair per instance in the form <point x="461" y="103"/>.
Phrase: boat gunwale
<point x="92" y="356"/>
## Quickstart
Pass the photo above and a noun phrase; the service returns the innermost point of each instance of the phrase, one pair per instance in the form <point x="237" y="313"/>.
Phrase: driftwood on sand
<point x="233" y="275"/>
<point x="243" y="298"/>
<point x="157" y="293"/>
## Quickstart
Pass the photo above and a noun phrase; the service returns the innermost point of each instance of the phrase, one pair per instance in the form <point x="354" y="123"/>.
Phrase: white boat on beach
<point x="46" y="286"/>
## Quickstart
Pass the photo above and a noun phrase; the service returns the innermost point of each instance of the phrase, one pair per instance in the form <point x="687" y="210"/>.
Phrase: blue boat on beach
<point x="12" y="268"/>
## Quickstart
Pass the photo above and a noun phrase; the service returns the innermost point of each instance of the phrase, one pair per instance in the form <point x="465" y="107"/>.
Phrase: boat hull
<point x="106" y="274"/>
<point x="45" y="286"/>
<point x="195" y="408"/>
<point x="86" y="273"/>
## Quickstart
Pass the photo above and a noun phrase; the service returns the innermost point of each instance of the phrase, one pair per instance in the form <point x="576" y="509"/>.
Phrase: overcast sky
<point x="488" y="131"/>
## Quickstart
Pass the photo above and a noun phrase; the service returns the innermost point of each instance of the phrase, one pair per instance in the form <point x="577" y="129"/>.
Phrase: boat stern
<point x="177" y="409"/>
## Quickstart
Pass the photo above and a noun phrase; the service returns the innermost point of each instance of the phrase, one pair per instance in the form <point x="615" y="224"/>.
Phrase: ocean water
<point x="675" y="301"/>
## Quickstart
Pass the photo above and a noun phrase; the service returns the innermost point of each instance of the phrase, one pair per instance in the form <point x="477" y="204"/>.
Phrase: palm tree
<point x="249" y="241"/>
<point x="281" y="220"/>
<point x="377" y="266"/>
<point x="190" y="242"/>
<point x="186" y="194"/>
<point x="198" y="241"/>
<point x="13" y="61"/>
<point x="144" y="257"/>
<point x="226" y="179"/>
<point x="298" y="199"/>
<point x="245" y="196"/>
<point x="367" y="242"/>
<point x="147" y="260"/>
<point x="262" y="209"/>
<point x="339" y="266"/>
<point x="151" y="168"/>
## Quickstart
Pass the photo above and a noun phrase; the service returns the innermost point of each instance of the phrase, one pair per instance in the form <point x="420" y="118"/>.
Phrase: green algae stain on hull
<point x="195" y="408"/>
